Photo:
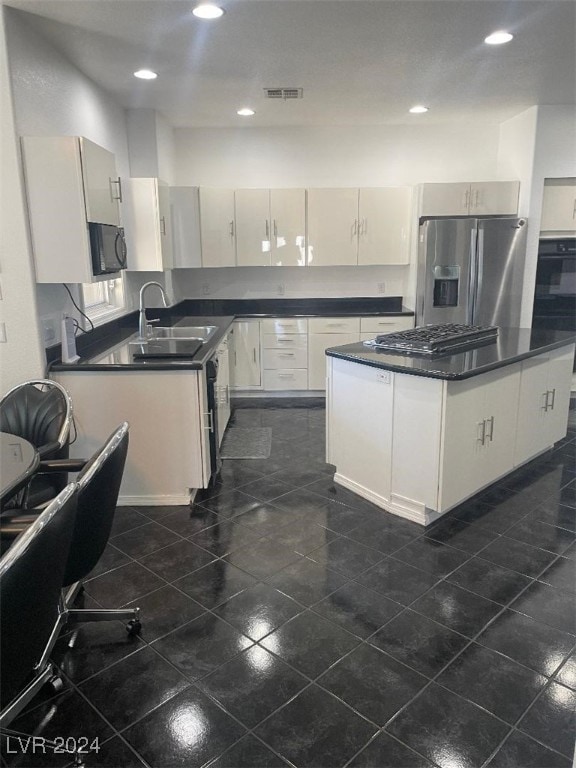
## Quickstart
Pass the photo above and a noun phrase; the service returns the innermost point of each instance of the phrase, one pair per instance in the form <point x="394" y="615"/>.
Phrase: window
<point x="103" y="300"/>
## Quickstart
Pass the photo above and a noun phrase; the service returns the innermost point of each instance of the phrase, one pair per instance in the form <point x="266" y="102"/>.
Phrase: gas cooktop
<point x="436" y="339"/>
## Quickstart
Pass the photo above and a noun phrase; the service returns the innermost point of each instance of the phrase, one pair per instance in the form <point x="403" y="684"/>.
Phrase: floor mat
<point x="247" y="443"/>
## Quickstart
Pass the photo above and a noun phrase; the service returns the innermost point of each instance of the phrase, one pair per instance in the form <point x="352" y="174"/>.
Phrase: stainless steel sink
<point x="196" y="332"/>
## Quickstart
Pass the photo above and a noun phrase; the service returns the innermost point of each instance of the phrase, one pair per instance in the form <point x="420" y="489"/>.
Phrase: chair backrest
<point x="31" y="580"/>
<point x="40" y="411"/>
<point x="99" y="486"/>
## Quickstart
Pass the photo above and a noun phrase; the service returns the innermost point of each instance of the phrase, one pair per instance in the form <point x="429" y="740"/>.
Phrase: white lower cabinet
<point x="543" y="404"/>
<point x="285" y="354"/>
<point x="479" y="427"/>
<point x="223" y="387"/>
<point x="169" y="451"/>
<point x="418" y="446"/>
<point x="318" y="343"/>
<point x="245" y="355"/>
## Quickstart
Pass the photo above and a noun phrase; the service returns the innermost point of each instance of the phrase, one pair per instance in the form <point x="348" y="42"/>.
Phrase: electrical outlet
<point x="280" y="290"/>
<point x="205" y="289"/>
<point x="381" y="287"/>
<point x="49" y="330"/>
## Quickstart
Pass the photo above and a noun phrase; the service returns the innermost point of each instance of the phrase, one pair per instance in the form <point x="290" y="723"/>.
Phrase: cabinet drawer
<point x="286" y="378"/>
<point x="285" y="358"/>
<point x="282" y="325"/>
<point x="385" y="324"/>
<point x="334" y="325"/>
<point x="285" y="341"/>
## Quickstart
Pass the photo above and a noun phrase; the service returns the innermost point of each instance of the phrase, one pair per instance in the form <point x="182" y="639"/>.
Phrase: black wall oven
<point x="555" y="293"/>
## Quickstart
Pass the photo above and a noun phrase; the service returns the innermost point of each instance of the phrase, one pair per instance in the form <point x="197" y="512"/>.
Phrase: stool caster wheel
<point x="133" y="627"/>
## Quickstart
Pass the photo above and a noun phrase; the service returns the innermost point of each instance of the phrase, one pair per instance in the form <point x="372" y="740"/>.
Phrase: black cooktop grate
<point x="431" y="339"/>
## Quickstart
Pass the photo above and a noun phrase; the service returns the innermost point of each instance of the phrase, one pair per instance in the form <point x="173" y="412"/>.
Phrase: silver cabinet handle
<point x="476" y="197"/>
<point x="254" y="354"/>
<point x="544" y="405"/>
<point x="574" y="209"/>
<point x="490" y="435"/>
<point x="267" y="230"/>
<point x="286" y="354"/>
<point x="481" y="432"/>
<point x="285" y="341"/>
<point x="235" y="358"/>
<point x="231" y="229"/>
<point x="275" y="229"/>
<point x="334" y="325"/>
<point x="118" y="182"/>
<point x="355" y="227"/>
<point x="227" y="394"/>
<point x="553" y="393"/>
<point x="163" y="223"/>
<point x="285" y="375"/>
<point x="467" y="199"/>
<point x="210" y="417"/>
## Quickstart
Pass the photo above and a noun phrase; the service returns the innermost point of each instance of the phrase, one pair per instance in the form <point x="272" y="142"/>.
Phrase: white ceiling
<point x="358" y="61"/>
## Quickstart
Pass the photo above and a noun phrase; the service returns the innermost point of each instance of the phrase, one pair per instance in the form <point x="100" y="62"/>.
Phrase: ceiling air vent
<point x="283" y="93"/>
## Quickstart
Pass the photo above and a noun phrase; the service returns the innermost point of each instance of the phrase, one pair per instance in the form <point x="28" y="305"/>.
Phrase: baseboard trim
<point x="156" y="501"/>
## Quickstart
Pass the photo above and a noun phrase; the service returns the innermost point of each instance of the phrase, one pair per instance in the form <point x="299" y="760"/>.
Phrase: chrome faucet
<point x="142" y="322"/>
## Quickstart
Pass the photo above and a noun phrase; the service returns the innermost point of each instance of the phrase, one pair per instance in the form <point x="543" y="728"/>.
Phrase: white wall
<point x="21" y="356"/>
<point x="536" y="145"/>
<point x="341" y="157"/>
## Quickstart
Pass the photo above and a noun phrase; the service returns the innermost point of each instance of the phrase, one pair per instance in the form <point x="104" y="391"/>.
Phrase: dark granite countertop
<point x="114" y="355"/>
<point x="108" y="347"/>
<point x="512" y="345"/>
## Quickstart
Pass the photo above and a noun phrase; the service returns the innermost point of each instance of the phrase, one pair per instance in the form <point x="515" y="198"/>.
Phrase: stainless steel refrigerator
<point x="470" y="271"/>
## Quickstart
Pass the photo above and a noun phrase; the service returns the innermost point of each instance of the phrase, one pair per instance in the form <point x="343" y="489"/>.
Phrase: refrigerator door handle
<point x="474" y="283"/>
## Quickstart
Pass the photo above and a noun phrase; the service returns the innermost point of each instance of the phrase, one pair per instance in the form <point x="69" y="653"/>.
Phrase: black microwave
<point x="107" y="248"/>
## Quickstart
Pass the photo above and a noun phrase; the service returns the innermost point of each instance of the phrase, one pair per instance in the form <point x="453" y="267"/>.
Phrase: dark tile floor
<point x="288" y="622"/>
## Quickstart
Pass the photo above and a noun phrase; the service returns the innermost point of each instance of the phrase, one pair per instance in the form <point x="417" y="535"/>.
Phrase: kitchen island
<point x="417" y="435"/>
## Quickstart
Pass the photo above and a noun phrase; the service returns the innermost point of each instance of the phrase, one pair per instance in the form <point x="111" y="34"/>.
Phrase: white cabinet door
<point x="498" y="197"/>
<point x="165" y="217"/>
<point x="559" y="381"/>
<point x="384" y="227"/>
<point x="360" y="424"/>
<point x="147" y="225"/>
<point x="246" y="370"/>
<point x="332" y="227"/>
<point x="445" y="199"/>
<point x="253" y="228"/>
<point x="318" y="343"/>
<point x="531" y="436"/>
<point x="217" y="227"/>
<point x="478" y="433"/>
<point x="559" y="205"/>
<point x="185" y="226"/>
<point x="223" y="387"/>
<point x="102" y="185"/>
<point x="288" y="222"/>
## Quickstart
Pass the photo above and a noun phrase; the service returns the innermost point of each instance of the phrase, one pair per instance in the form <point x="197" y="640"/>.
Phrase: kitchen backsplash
<point x="290" y="282"/>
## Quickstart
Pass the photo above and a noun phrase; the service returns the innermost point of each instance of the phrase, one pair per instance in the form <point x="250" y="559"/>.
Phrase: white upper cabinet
<point x="69" y="181"/>
<point x="185" y="212"/>
<point x="470" y="199"/>
<point x="102" y="185"/>
<point x="384" y="225"/>
<point x="270" y="227"/>
<point x="253" y="230"/>
<point x="147" y="222"/>
<point x="217" y="227"/>
<point x="288" y="224"/>
<point x="332" y="227"/>
<point x="559" y="205"/>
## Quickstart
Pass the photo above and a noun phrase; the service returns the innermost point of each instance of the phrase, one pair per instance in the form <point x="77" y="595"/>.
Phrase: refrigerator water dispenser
<point x="446" y="284"/>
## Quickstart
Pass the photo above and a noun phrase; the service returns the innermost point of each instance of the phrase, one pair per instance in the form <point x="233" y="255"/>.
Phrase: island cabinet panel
<point x="543" y="403"/>
<point x="478" y="437"/>
<point x="361" y="405"/>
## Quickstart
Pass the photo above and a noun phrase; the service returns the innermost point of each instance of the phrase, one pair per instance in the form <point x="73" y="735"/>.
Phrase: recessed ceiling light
<point x="418" y="109"/>
<point x="207" y="11"/>
<point x="146" y="74"/>
<point x="499" y="37"/>
<point x="246" y="112"/>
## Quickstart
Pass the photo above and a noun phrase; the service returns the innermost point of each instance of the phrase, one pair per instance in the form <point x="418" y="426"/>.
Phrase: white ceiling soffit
<point x="360" y="62"/>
